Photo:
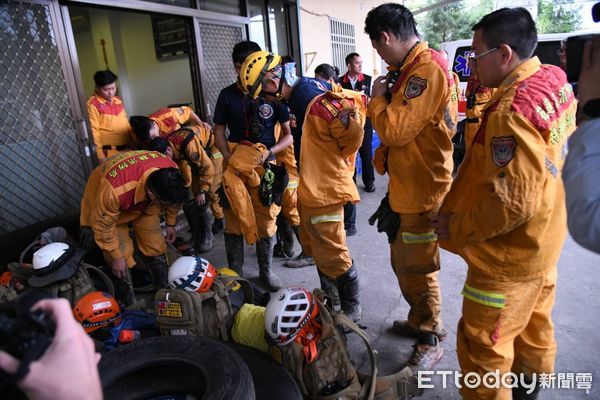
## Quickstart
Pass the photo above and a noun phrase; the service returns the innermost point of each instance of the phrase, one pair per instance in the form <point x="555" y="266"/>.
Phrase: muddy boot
<point x="427" y="352"/>
<point x="264" y="254"/>
<point x="218" y="226"/>
<point x="349" y="290"/>
<point x="189" y="209"/>
<point x="158" y="267"/>
<point x="234" y="247"/>
<point x="331" y="290"/>
<point x="204" y="241"/>
<point x="285" y="238"/>
<point x="301" y="260"/>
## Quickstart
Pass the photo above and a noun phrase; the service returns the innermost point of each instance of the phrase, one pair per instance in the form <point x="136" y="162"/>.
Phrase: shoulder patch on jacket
<point x="543" y="97"/>
<point x="503" y="150"/>
<point x="330" y="107"/>
<point x="405" y="73"/>
<point x="415" y="87"/>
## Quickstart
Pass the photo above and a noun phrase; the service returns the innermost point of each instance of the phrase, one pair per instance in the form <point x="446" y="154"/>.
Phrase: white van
<point x="458" y="50"/>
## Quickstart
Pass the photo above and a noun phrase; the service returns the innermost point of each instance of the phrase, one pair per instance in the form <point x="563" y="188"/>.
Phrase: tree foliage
<point x="554" y="17"/>
<point x="451" y="22"/>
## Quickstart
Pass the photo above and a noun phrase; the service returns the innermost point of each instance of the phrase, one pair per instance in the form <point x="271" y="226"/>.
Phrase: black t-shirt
<point x="247" y="121"/>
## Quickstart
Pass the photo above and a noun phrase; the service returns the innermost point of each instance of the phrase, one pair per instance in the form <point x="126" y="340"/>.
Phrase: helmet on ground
<point x="288" y="311"/>
<point x="53" y="263"/>
<point x="254" y="69"/>
<point x="194" y="274"/>
<point x="96" y="310"/>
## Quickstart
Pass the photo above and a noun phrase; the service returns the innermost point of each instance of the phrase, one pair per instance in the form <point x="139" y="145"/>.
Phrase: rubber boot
<point x="158" y="267"/>
<point x="204" y="241"/>
<point x="331" y="290"/>
<point x="218" y="226"/>
<point x="189" y="209"/>
<point x="234" y="247"/>
<point x="285" y="238"/>
<point x="348" y="286"/>
<point x="264" y="254"/>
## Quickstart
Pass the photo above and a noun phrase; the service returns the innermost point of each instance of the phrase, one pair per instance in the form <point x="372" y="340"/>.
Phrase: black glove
<point x="388" y="221"/>
<point x="86" y="238"/>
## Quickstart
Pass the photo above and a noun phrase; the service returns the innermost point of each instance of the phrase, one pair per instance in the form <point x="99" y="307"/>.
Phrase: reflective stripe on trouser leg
<point x="518" y="337"/>
<point x="324" y="229"/>
<point x="416" y="262"/>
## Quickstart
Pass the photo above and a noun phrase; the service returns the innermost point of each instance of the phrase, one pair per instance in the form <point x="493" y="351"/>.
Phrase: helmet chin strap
<point x="277" y="94"/>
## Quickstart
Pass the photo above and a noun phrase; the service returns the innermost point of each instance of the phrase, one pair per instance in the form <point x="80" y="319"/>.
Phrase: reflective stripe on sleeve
<point x="292" y="185"/>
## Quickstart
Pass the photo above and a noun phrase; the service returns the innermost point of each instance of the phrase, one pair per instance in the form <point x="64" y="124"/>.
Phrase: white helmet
<point x="287" y="312"/>
<point x="194" y="274"/>
<point x="48" y="254"/>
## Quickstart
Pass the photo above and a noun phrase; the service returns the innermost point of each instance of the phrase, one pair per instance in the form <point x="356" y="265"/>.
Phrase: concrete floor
<point x="575" y="313"/>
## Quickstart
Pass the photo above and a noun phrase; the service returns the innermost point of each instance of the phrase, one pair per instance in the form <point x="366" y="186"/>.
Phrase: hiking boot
<point x="218" y="226"/>
<point x="264" y="254"/>
<point x="158" y="268"/>
<point x="427" y="352"/>
<point x="349" y="291"/>
<point x="285" y="238"/>
<point x="403" y="328"/>
<point x="370" y="188"/>
<point x="234" y="248"/>
<point x="300" y="261"/>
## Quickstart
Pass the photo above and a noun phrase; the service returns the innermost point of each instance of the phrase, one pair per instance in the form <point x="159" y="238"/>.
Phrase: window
<point x="343" y="42"/>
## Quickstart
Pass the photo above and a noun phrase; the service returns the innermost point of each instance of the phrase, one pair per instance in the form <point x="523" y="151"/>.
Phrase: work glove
<point x="387" y="220"/>
<point x="86" y="238"/>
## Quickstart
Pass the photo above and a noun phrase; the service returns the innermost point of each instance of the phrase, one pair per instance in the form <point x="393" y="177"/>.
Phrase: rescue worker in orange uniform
<point x="505" y="213"/>
<point x="163" y="123"/>
<point x="251" y="143"/>
<point x="184" y="146"/>
<point x="332" y="132"/>
<point x="108" y="119"/>
<point x="133" y="188"/>
<point x="414" y="111"/>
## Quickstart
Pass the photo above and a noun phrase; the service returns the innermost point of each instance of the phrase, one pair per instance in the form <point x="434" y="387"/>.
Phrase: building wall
<point x="316" y="38"/>
<point x="145" y="83"/>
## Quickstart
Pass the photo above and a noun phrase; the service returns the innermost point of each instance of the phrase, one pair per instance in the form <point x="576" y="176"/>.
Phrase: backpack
<point x="331" y="375"/>
<point x="180" y="312"/>
<point x="73" y="288"/>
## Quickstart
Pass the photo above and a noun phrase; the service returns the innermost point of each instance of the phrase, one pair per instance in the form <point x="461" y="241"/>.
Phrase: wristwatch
<point x="591" y="109"/>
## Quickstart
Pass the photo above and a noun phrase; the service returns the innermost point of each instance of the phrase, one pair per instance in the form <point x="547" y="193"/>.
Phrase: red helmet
<point x="96" y="310"/>
<point x="6" y="278"/>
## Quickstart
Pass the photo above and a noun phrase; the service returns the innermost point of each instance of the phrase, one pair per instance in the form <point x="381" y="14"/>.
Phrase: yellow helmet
<point x="254" y="69"/>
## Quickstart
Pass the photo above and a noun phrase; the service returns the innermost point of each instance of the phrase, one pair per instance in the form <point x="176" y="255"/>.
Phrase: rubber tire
<point x="271" y="381"/>
<point x="165" y="365"/>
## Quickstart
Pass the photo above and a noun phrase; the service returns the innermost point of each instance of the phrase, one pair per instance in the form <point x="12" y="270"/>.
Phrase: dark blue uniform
<point x="246" y="121"/>
<point x="303" y="92"/>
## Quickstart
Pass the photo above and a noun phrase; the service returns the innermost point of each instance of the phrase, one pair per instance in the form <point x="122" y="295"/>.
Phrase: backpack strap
<point x="110" y="287"/>
<point x="221" y="296"/>
<point x="244" y="283"/>
<point x="368" y="390"/>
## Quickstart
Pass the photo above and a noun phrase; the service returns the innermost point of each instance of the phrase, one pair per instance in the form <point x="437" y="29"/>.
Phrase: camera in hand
<point x="25" y="334"/>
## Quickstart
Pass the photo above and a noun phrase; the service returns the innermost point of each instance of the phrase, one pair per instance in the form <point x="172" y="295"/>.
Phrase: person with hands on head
<point x="414" y="110"/>
<point x="68" y="368"/>
<point x="134" y="188"/>
<point x="583" y="160"/>
<point x="505" y="212"/>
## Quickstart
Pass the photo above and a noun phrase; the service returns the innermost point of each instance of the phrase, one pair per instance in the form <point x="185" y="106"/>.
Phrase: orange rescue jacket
<point x="109" y="122"/>
<point x="188" y="150"/>
<point x="120" y="195"/>
<point x="507" y="202"/>
<point x="331" y="135"/>
<point x="417" y="126"/>
<point x="170" y="119"/>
